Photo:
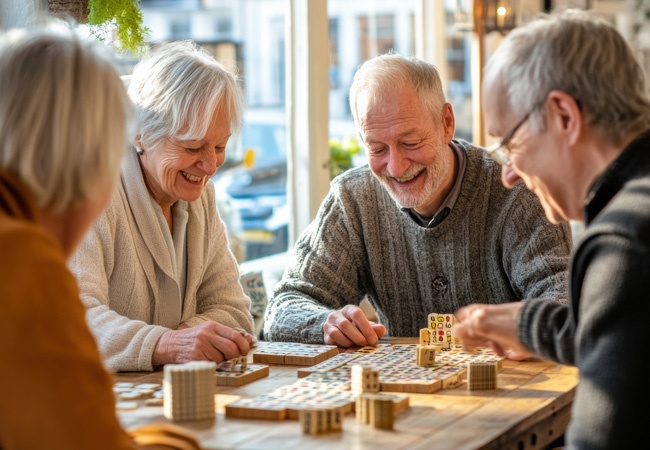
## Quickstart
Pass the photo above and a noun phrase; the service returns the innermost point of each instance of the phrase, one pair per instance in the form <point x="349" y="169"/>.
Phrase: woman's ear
<point x="137" y="143"/>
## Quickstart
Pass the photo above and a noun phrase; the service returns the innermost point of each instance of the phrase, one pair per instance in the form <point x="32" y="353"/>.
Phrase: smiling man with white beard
<point x="426" y="226"/>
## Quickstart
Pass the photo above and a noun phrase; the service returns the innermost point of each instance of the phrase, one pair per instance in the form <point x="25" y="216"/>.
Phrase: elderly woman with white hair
<point x="156" y="274"/>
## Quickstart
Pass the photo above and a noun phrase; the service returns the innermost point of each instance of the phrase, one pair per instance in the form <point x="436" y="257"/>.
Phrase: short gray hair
<point x="63" y="113"/>
<point x="391" y="71"/>
<point x="582" y="54"/>
<point x="177" y="88"/>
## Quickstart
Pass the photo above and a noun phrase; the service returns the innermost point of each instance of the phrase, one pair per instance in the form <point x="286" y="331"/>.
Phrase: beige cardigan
<point x="127" y="280"/>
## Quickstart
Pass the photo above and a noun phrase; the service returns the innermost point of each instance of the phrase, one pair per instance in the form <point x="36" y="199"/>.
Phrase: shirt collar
<point x="449" y="202"/>
<point x="631" y="163"/>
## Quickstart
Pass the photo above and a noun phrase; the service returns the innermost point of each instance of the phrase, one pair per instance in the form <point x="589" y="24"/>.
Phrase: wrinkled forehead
<point x="379" y="116"/>
<point x="372" y="100"/>
<point x="370" y="103"/>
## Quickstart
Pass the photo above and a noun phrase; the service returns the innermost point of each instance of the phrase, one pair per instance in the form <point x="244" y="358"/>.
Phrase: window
<point x="179" y="28"/>
<point x="335" y="71"/>
<point x="376" y="35"/>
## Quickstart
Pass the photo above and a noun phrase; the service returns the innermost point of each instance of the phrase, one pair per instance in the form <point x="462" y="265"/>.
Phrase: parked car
<point x="252" y="185"/>
<point x="251" y="191"/>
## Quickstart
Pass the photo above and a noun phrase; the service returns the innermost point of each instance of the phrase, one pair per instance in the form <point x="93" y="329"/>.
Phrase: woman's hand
<point x="208" y="341"/>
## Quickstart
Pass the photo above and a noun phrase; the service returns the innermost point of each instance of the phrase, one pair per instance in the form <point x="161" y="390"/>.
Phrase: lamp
<point x="499" y="15"/>
<point x="488" y="16"/>
<point x="482" y="18"/>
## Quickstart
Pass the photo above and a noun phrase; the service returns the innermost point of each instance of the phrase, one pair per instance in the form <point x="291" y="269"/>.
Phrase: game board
<point x="327" y="384"/>
<point x="398" y="371"/>
<point x="323" y="391"/>
<point x="293" y="353"/>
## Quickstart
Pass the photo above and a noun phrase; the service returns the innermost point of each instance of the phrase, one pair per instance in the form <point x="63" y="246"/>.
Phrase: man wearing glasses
<point x="582" y="144"/>
<point x="425" y="227"/>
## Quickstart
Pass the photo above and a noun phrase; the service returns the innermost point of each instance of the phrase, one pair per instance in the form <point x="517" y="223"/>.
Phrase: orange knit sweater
<point x="54" y="391"/>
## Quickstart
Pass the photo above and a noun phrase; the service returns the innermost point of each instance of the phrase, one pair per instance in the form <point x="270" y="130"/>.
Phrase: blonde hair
<point x="63" y="113"/>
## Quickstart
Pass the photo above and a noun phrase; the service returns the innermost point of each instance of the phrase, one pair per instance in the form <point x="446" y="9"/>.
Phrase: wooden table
<point x="529" y="410"/>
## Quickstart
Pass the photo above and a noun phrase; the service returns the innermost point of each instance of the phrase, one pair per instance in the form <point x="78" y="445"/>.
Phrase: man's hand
<point x="349" y="326"/>
<point x="493" y="326"/>
<point x="208" y="341"/>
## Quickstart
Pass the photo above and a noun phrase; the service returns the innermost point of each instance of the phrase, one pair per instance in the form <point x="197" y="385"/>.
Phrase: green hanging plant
<point x="126" y="15"/>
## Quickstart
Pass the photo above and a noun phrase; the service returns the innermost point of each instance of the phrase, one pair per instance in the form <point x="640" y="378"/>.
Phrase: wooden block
<point x="335" y="419"/>
<point x="400" y="402"/>
<point x="380" y="412"/>
<point x="481" y="375"/>
<point x="293" y="353"/>
<point x="412" y="386"/>
<point x="263" y="358"/>
<point x="365" y="405"/>
<point x="293" y="408"/>
<point x="435" y="319"/>
<point x="238" y="364"/>
<point x="314" y="421"/>
<point x="426" y="355"/>
<point x="361" y="409"/>
<point x="189" y="391"/>
<point x="310" y="360"/>
<point x="425" y="336"/>
<point x="442" y="324"/>
<point x="320" y="420"/>
<point x="239" y="378"/>
<point x="364" y="379"/>
<point x="256" y="408"/>
<point x="452" y="376"/>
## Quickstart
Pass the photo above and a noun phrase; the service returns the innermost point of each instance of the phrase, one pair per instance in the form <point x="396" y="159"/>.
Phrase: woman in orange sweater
<point x="63" y="125"/>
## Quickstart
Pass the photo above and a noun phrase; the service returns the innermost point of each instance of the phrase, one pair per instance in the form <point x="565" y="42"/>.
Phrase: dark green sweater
<point x="495" y="246"/>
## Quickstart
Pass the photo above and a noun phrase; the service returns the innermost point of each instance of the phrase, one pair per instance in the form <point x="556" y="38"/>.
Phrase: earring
<point x="139" y="151"/>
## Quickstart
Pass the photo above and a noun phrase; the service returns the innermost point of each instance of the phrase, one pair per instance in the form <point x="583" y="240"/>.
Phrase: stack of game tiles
<point x="189" y="391"/>
<point x="481" y="375"/>
<point x="321" y="420"/>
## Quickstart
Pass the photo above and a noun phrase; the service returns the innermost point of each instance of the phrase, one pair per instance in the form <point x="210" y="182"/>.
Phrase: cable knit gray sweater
<point x="495" y="246"/>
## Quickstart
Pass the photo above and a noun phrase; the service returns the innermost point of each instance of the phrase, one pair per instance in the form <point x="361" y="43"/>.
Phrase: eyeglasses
<point x="499" y="151"/>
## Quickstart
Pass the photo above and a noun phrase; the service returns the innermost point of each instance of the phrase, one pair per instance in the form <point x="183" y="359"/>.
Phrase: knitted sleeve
<point x="323" y="277"/>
